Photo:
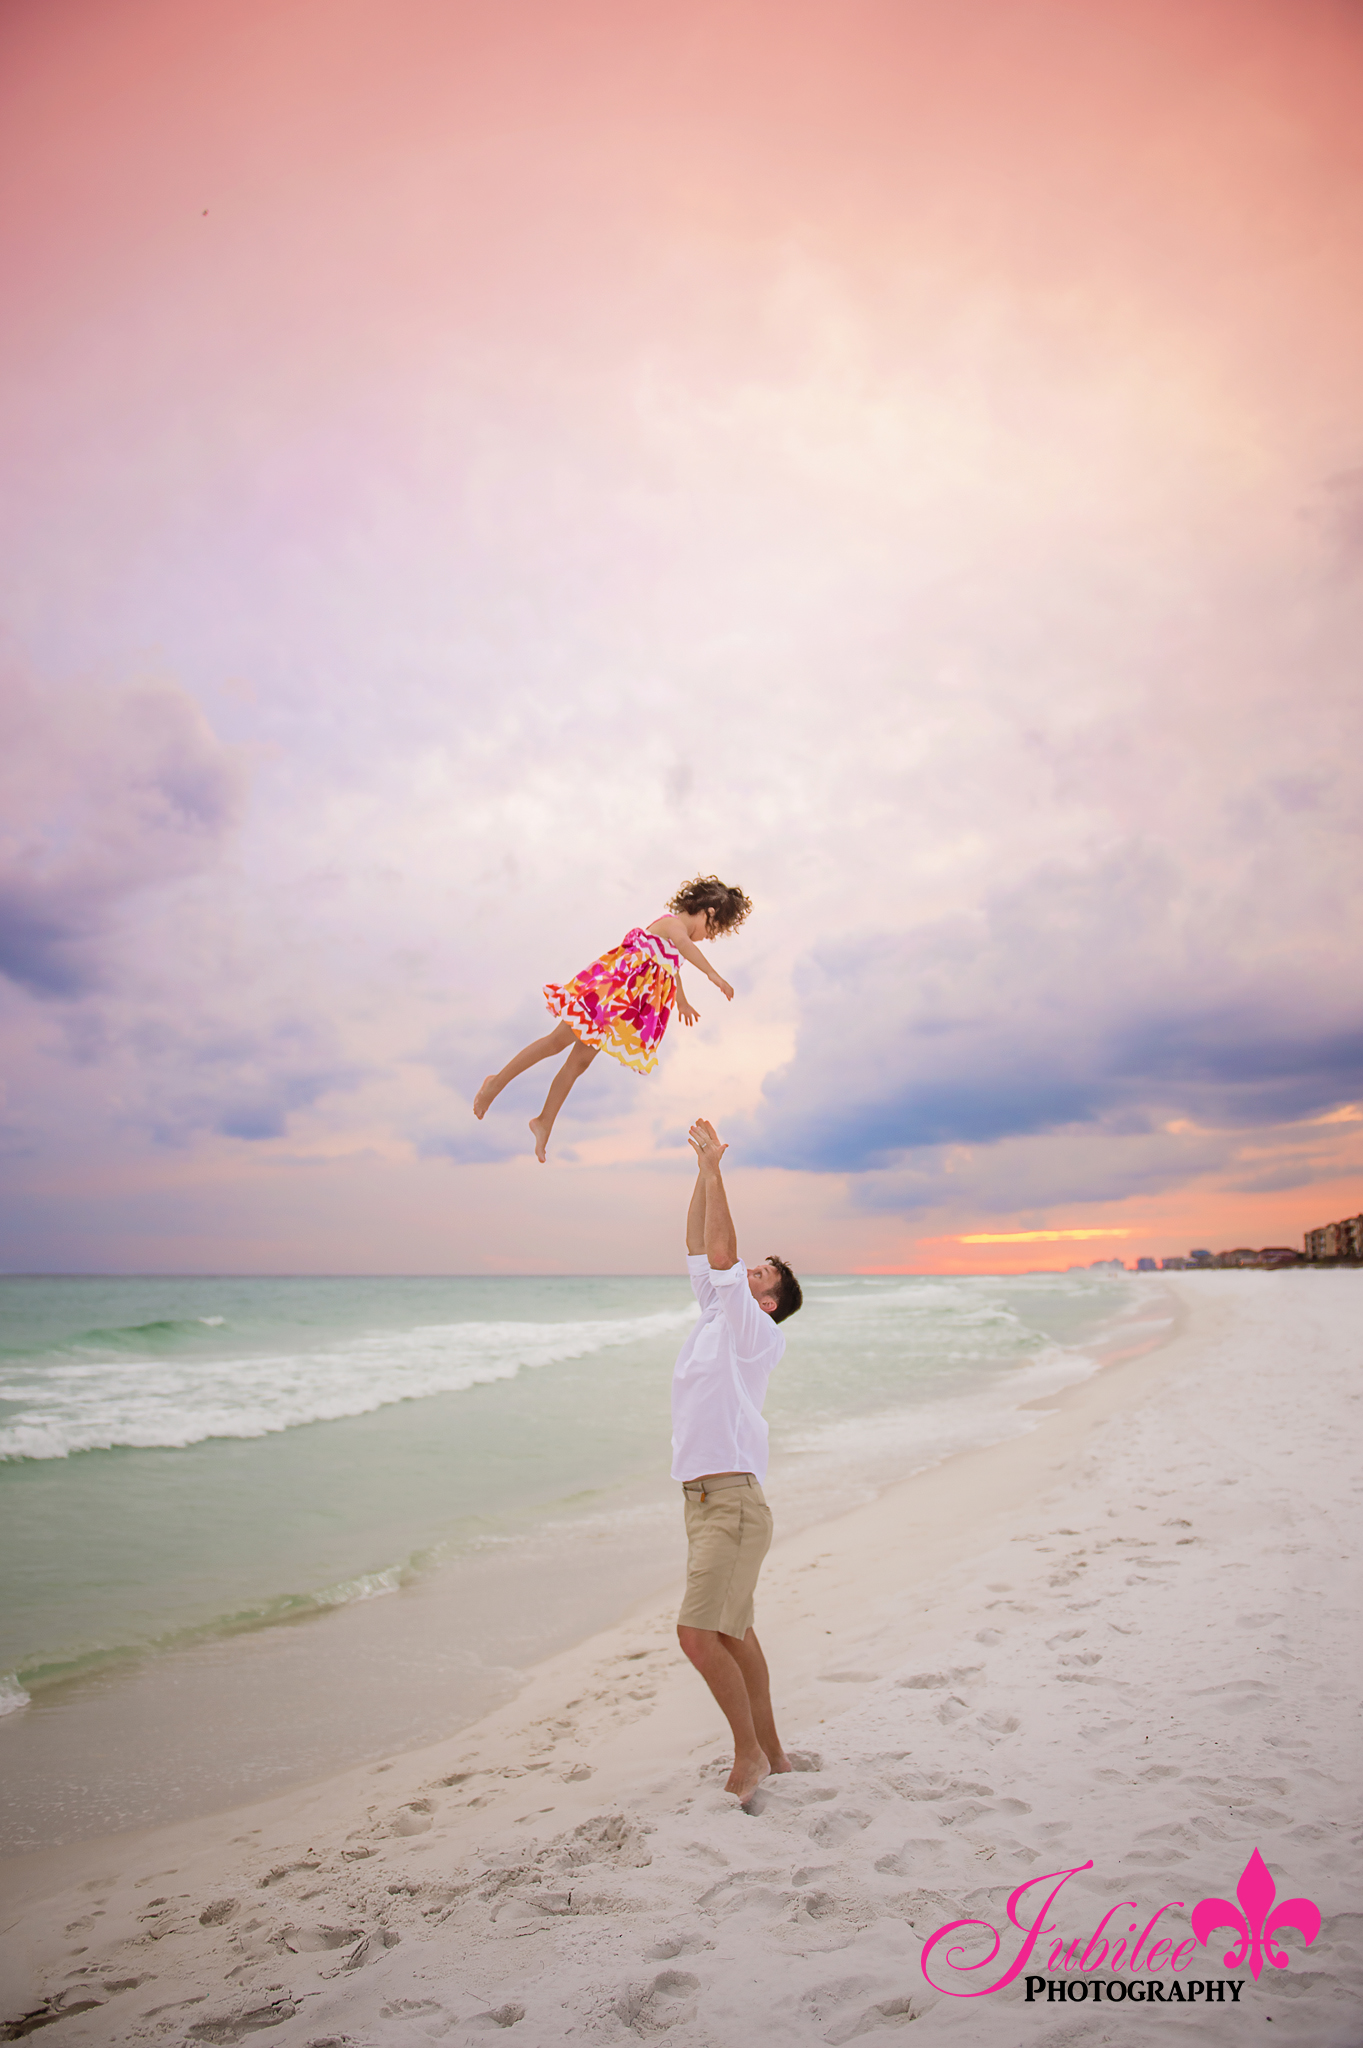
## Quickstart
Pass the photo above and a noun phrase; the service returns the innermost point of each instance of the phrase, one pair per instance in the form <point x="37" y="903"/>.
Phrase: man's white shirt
<point x="720" y="1379"/>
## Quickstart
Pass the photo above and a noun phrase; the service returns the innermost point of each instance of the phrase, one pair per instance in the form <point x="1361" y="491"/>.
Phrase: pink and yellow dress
<point x="622" y="1002"/>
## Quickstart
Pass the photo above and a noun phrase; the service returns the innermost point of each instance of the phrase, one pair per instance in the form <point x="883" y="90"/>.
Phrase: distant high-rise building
<point x="1336" y="1240"/>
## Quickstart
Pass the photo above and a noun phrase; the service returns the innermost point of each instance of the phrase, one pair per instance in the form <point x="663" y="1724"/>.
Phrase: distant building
<point x="1336" y="1241"/>
<point x="1106" y="1266"/>
<point x="1244" y="1255"/>
<point x="1147" y="1265"/>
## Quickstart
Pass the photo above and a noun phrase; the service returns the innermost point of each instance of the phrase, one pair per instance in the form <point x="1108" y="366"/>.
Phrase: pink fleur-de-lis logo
<point x="1256" y="1892"/>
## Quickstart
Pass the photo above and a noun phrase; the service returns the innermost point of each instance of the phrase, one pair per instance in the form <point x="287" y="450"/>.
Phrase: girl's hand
<point x="722" y="985"/>
<point x="685" y="1011"/>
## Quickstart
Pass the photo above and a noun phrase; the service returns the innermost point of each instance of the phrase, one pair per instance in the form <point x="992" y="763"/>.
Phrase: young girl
<point x="621" y="1003"/>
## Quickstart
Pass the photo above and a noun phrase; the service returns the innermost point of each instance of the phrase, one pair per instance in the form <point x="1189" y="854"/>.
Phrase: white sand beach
<point x="1128" y="1640"/>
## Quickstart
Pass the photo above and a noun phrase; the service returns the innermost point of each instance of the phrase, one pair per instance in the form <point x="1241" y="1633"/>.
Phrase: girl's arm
<point x="674" y="931"/>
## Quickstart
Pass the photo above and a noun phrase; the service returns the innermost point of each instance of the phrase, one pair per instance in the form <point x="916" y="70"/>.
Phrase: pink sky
<point x="469" y="467"/>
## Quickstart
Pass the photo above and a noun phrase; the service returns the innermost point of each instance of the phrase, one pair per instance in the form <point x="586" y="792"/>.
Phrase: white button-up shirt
<point x="720" y="1379"/>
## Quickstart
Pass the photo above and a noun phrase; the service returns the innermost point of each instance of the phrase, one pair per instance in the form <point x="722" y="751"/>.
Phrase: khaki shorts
<point x="727" y="1536"/>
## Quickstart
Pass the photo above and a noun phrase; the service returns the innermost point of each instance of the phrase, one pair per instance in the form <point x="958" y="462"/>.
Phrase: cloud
<point x="104" y="793"/>
<point x="238" y="1081"/>
<point x="1342" y="516"/>
<point x="1110" y="997"/>
<point x="1036" y="1175"/>
<point x="178" y="1066"/>
<point x="475" y="1147"/>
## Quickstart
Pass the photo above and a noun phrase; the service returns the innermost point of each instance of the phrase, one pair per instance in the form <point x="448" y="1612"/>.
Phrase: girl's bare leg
<point x="576" y="1064"/>
<point x="557" y="1040"/>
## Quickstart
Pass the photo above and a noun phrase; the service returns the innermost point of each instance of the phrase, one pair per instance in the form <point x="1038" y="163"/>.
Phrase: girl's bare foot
<point x="745" y="1777"/>
<point x="486" y="1096"/>
<point x="539" y="1131"/>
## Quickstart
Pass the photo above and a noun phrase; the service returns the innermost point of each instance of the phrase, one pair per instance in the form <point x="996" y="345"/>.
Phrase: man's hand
<point x="704" y="1141"/>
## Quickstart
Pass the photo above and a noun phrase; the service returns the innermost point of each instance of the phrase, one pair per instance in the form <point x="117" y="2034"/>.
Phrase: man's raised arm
<point x="695" y="1215"/>
<point x="720" y="1239"/>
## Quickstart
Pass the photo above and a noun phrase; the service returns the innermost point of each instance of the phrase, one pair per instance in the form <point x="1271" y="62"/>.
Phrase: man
<point x="719" y="1452"/>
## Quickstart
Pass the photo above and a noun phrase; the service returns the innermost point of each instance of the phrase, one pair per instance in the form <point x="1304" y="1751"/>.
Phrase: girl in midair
<point x="621" y="1003"/>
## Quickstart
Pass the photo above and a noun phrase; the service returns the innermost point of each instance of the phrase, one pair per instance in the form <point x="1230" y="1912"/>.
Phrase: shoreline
<point x="602" y="1768"/>
<point x="547" y="1674"/>
<point x="238" y="1714"/>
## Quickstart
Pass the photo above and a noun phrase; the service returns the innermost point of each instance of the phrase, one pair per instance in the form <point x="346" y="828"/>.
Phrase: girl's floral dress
<point x="622" y="1002"/>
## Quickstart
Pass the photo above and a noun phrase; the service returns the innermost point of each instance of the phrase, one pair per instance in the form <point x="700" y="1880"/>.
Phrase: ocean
<point x="255" y="1530"/>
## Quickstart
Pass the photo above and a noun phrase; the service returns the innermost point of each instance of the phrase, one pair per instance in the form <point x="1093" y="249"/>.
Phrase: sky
<point x="469" y="467"/>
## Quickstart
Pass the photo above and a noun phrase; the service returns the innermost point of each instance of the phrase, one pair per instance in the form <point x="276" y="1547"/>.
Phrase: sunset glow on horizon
<point x="1035" y="1236"/>
<point x="470" y="468"/>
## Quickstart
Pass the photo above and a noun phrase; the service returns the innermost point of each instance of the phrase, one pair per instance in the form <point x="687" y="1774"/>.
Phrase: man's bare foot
<point x="782" y="1763"/>
<point x="745" y="1777"/>
<point x="539" y="1131"/>
<point x="486" y="1096"/>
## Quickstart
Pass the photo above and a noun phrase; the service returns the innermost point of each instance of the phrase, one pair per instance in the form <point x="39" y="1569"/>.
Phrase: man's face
<point x="764" y="1283"/>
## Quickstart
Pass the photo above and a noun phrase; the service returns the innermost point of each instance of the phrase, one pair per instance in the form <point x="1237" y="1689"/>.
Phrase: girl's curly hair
<point x="725" y="907"/>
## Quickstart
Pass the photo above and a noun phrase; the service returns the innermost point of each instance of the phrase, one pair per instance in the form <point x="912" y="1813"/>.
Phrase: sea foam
<point x="84" y="1401"/>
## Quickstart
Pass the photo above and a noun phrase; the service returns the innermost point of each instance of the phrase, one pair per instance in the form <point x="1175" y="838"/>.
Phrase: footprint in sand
<point x="1238" y="1696"/>
<point x="890" y="2012"/>
<point x="232" y="2027"/>
<point x="839" y="2009"/>
<point x="930" y="1681"/>
<point x="669" y="2001"/>
<point x="914" y="1857"/>
<point x="999" y="1724"/>
<point x="414" y="1819"/>
<point x="688" y="1942"/>
<point x="828" y="1829"/>
<point x="310" y="1940"/>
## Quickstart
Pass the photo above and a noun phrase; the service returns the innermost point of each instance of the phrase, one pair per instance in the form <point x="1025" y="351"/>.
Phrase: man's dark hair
<point x="789" y="1296"/>
<point x="725" y="907"/>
